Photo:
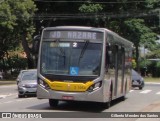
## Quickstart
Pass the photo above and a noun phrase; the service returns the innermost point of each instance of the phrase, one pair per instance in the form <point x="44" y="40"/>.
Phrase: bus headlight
<point x="95" y="86"/>
<point x="43" y="84"/>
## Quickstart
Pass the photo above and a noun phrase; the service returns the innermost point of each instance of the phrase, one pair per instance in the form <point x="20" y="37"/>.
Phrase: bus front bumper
<point x="94" y="96"/>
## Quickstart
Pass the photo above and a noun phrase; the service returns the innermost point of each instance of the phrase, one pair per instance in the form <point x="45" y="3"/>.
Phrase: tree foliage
<point x="135" y="20"/>
<point x="16" y="24"/>
<point x="91" y="8"/>
<point x="140" y="34"/>
<point x="154" y="54"/>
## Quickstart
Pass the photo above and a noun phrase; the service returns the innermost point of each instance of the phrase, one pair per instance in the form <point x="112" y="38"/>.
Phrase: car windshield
<point x="61" y="57"/>
<point x="136" y="75"/>
<point x="29" y="75"/>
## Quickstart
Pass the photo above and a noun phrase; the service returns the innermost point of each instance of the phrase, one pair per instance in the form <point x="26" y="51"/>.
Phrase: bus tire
<point x="53" y="103"/>
<point x="125" y="91"/>
<point x="108" y="104"/>
<point x="110" y="99"/>
<point x="123" y="98"/>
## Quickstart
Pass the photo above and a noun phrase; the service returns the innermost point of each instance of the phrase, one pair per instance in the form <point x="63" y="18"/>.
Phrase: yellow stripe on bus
<point x="69" y="86"/>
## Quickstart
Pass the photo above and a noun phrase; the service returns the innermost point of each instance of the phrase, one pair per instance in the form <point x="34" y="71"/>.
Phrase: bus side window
<point x="112" y="53"/>
<point x="107" y="63"/>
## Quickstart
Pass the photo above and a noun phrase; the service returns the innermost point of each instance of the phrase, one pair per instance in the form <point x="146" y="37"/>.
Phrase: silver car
<point x="27" y="83"/>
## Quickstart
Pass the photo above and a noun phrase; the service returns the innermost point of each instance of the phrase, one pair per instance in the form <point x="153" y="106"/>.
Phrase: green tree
<point x="91" y="8"/>
<point x="7" y="23"/>
<point x="139" y="34"/>
<point x="17" y="25"/>
<point x="154" y="54"/>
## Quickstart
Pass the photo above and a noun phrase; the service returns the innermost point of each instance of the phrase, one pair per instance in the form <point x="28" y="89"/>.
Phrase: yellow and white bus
<point x="83" y="64"/>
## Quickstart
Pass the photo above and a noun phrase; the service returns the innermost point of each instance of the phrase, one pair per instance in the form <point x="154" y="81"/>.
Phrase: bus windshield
<point x="71" y="58"/>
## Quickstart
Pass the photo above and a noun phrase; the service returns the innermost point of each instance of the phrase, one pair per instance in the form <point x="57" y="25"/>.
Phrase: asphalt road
<point x="145" y="100"/>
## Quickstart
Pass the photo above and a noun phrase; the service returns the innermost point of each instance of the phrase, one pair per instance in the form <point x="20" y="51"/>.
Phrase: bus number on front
<point x="79" y="87"/>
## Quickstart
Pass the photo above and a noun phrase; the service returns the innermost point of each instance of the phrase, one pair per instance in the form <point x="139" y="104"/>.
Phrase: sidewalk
<point x="152" y="82"/>
<point x="155" y="107"/>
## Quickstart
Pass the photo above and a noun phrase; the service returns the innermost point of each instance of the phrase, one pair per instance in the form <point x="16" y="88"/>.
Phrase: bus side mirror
<point x="36" y="42"/>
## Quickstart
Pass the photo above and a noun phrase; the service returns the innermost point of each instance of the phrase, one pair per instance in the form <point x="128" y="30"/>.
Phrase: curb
<point x="152" y="83"/>
<point x="7" y="82"/>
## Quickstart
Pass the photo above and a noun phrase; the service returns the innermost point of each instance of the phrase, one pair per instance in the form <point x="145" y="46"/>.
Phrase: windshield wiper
<point x="83" y="50"/>
<point x="62" y="52"/>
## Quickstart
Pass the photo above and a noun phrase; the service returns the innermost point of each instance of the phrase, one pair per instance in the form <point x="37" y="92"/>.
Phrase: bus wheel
<point x="124" y="96"/>
<point x="108" y="104"/>
<point x="110" y="100"/>
<point x="53" y="102"/>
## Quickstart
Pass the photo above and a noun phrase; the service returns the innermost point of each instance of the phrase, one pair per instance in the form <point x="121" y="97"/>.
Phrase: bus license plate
<point x="67" y="97"/>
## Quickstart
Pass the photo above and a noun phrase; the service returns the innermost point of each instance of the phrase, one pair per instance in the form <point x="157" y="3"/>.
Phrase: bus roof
<point x="74" y="27"/>
<point x="109" y="32"/>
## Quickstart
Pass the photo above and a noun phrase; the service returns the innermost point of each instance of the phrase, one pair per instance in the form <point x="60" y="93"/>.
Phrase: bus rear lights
<point x="95" y="86"/>
<point x="43" y="84"/>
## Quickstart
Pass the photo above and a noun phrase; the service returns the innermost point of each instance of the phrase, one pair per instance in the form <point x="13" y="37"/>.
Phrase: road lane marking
<point x="158" y="93"/>
<point x="131" y="90"/>
<point x="3" y="96"/>
<point x="8" y="102"/>
<point x="145" y="91"/>
<point x="6" y="95"/>
<point x="19" y="100"/>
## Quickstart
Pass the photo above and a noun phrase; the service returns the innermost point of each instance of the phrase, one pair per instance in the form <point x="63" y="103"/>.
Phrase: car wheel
<point x="53" y="103"/>
<point x="140" y="88"/>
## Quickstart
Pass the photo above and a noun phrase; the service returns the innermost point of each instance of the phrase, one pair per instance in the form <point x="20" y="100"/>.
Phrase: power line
<point x="41" y="16"/>
<point x="86" y="16"/>
<point x="83" y="16"/>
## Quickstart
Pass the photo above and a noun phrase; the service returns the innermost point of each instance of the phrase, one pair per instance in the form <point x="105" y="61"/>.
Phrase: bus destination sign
<point x="73" y="35"/>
